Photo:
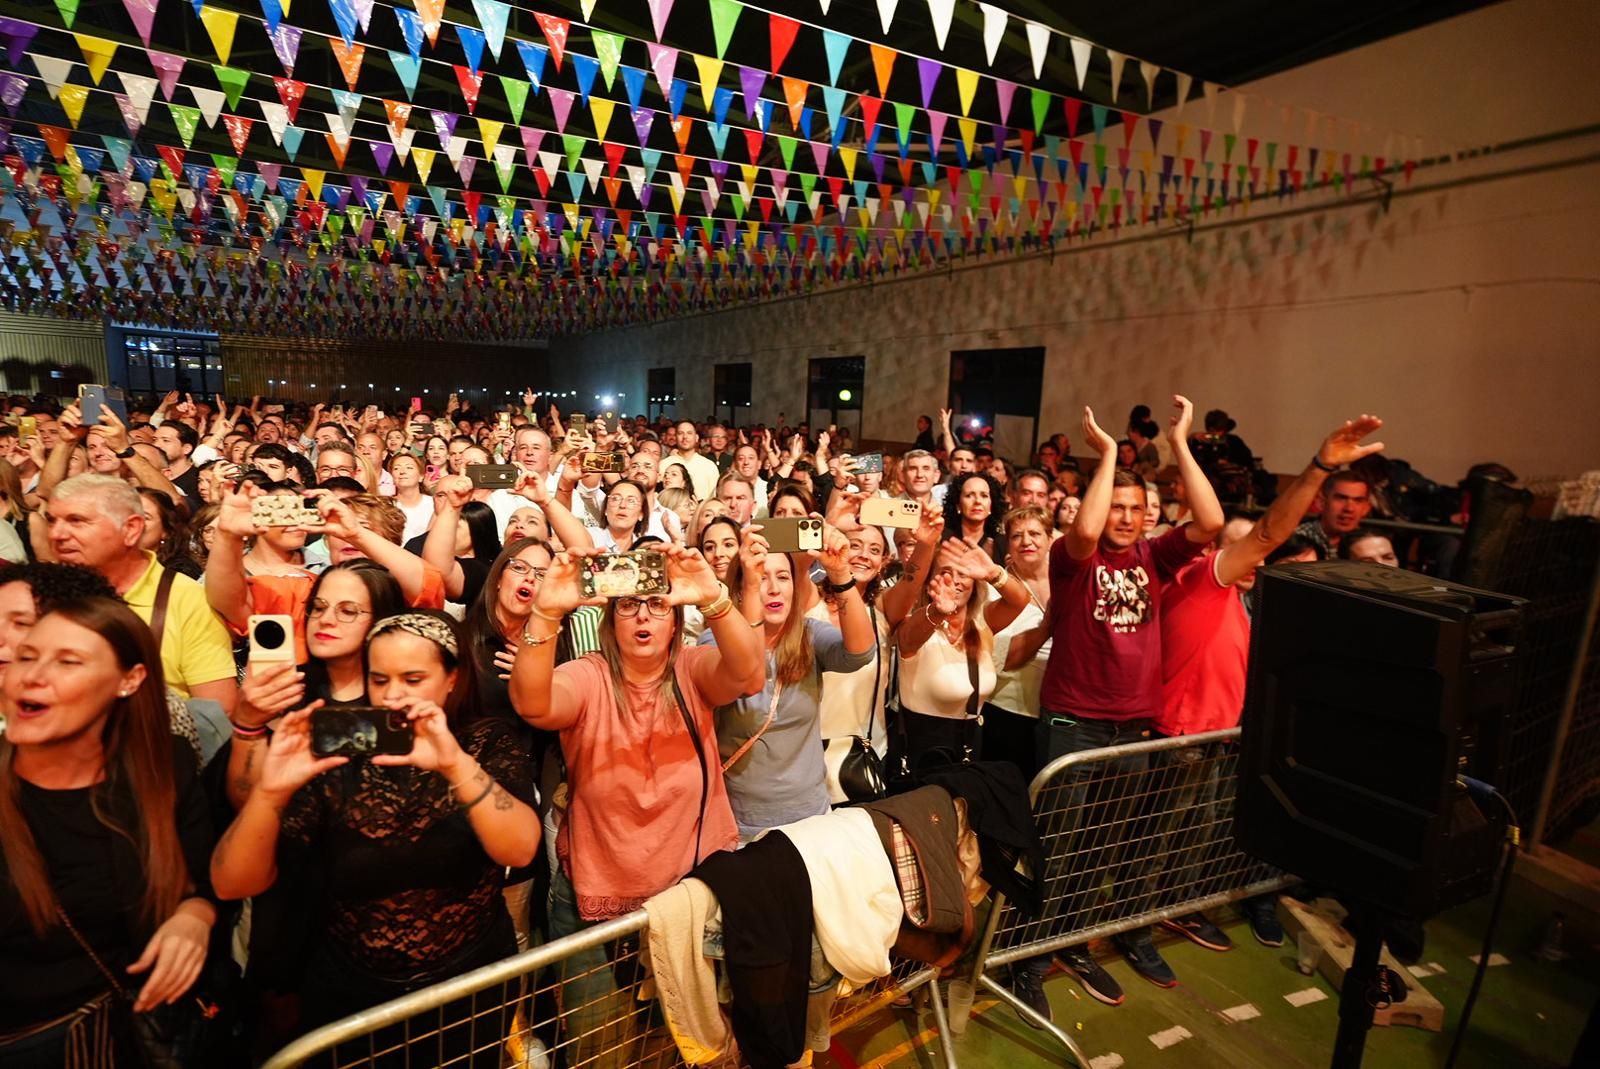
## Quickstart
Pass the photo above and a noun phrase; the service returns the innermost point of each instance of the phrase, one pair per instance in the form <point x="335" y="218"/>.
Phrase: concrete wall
<point x="1467" y="313"/>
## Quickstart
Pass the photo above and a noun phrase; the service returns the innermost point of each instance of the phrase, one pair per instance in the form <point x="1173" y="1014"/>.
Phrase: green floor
<point x="1529" y="1013"/>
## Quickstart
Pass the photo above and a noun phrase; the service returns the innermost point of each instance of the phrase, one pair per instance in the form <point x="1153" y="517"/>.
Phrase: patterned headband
<point x="420" y="624"/>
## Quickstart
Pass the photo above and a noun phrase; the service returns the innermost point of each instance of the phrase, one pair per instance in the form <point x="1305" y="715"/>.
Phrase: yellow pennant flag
<point x="966" y="85"/>
<point x="710" y="68"/>
<point x="601" y="108"/>
<point x="97" y="53"/>
<point x="490" y="131"/>
<point x="313" y="181"/>
<point x="220" y="24"/>
<point x="969" y="133"/>
<point x="72" y="98"/>
<point x="423" y="157"/>
<point x="847" y="156"/>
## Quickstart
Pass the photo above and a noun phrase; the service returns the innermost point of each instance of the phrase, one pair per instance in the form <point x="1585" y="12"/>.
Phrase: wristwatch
<point x="126" y="453"/>
<point x="840" y="588"/>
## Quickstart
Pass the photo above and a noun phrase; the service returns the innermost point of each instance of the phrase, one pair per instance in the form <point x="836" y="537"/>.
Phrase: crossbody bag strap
<point x="974" y="701"/>
<point x="877" y="671"/>
<point x="744" y="747"/>
<point x="699" y="752"/>
<point x="158" y="613"/>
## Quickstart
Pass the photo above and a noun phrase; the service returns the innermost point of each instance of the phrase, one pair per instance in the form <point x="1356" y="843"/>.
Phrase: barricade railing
<point x="574" y="1002"/>
<point x="1133" y="835"/>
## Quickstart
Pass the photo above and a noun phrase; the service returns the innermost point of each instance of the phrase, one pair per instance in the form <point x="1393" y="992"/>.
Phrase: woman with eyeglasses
<point x="645" y="797"/>
<point x="768" y="740"/>
<point x="463" y="541"/>
<point x="625" y="515"/>
<point x="412" y="848"/>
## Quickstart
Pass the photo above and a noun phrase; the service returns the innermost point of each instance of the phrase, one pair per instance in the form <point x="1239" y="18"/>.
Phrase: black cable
<point x="1513" y="837"/>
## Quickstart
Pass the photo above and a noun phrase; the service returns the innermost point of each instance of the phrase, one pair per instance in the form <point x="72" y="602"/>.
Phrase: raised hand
<point x="1182" y="419"/>
<point x="112" y="428"/>
<point x="834" y="555"/>
<point x="942" y="595"/>
<point x="964" y="558"/>
<point x="930" y="526"/>
<point x="532" y="485"/>
<point x="268" y="690"/>
<point x="1344" y="446"/>
<point x="71" y="421"/>
<point x="433" y="747"/>
<point x="233" y="514"/>
<point x="289" y="763"/>
<point x="561" y="589"/>
<point x="693" y="580"/>
<point x="753" y="550"/>
<point x="944" y="417"/>
<point x="454" y="491"/>
<point x="1097" y="439"/>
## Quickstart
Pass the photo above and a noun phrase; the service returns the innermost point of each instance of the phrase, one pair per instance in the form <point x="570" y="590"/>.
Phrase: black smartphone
<point x="791" y="534"/>
<point x="92" y="396"/>
<point x="642" y="573"/>
<point x="360" y="731"/>
<point x="578" y="425"/>
<point x="492" y="476"/>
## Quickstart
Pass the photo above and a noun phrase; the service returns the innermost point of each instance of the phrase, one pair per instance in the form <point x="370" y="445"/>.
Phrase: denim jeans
<point x="1187" y="840"/>
<point x="1092" y="821"/>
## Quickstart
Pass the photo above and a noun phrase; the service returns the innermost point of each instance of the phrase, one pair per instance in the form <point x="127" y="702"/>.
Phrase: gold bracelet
<point x="717" y="609"/>
<point x="1005" y="577"/>
<point x="531" y="642"/>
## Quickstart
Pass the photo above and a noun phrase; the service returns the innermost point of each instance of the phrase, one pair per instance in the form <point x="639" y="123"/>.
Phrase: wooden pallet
<point x="1323" y="920"/>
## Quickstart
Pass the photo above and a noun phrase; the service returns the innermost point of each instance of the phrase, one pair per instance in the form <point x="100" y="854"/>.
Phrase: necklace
<point x="943" y="624"/>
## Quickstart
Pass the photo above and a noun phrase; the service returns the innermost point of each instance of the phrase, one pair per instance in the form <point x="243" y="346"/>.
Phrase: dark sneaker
<point x="1197" y="929"/>
<point x="1096" y="981"/>
<point x="1027" y="983"/>
<point x="1262" y="913"/>
<point x="1146" y="959"/>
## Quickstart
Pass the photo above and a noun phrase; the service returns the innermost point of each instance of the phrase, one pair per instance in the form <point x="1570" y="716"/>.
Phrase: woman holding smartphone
<point x="412" y="847"/>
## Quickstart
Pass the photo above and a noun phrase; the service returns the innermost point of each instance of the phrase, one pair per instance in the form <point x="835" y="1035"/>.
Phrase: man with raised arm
<point x="1102" y="684"/>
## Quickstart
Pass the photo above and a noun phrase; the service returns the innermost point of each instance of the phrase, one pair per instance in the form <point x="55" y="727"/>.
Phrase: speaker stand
<point x="1355" y="996"/>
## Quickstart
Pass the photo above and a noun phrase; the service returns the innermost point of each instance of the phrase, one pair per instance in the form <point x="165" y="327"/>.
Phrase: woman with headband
<point x="413" y="848"/>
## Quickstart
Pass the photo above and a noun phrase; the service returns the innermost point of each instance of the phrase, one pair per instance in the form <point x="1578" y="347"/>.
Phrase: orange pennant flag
<point x="794" y="92"/>
<point x="883" y="63"/>
<point x="349" y="57"/>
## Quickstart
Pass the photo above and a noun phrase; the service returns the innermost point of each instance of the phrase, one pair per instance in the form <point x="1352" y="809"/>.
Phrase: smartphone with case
<point x="271" y="639"/>
<point x="603" y="462"/>
<point x="792" y="534"/>
<point x="27" y="428"/>
<point x="492" y="476"/>
<point x="869" y="462"/>
<point x="92" y="396"/>
<point x="360" y="731"/>
<point x="578" y="425"/>
<point x="281" y="510"/>
<point x="503" y="420"/>
<point x="898" y="512"/>
<point x="642" y="573"/>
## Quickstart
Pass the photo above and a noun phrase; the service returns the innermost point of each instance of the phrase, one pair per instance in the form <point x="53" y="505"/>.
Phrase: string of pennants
<point x="226" y="241"/>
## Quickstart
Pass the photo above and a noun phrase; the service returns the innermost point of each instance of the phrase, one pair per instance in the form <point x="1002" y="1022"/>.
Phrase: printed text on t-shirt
<point x="1123" y="601"/>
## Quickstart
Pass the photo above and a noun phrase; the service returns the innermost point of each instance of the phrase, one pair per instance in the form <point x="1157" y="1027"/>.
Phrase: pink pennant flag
<point x="531" y="140"/>
<point x="659" y="10"/>
<point x="664" y="61"/>
<point x="168" y="68"/>
<point x="131" y="118"/>
<point x="936" y="121"/>
<point x="561" y="104"/>
<point x="143" y="14"/>
<point x="1004" y="90"/>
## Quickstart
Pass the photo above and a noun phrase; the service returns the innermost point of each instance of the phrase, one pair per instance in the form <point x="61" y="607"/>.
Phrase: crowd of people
<point x="572" y="754"/>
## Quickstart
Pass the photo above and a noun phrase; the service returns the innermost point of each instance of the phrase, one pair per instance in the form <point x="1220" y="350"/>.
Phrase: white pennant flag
<point x="1080" y="58"/>
<point x="1117" y="60"/>
<point x="429" y="228"/>
<point x="941" y="10"/>
<point x="591" y="167"/>
<point x="277" y="117"/>
<point x="885" y="12"/>
<point x="1210" y="91"/>
<point x="1149" y="70"/>
<point x="1185" y="83"/>
<point x="340" y="128"/>
<point x="55" y="72"/>
<point x="824" y="4"/>
<point x="455" y="148"/>
<point x="994" y="28"/>
<point x="588" y="9"/>
<point x="402" y="144"/>
<point x="635" y="178"/>
<point x="549" y="163"/>
<point x="141" y="91"/>
<point x="1038" y="45"/>
<point x="210" y="102"/>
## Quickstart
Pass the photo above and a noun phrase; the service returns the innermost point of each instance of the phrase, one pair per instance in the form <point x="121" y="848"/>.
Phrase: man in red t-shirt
<point x="1205" y="644"/>
<point x="1102" y="684"/>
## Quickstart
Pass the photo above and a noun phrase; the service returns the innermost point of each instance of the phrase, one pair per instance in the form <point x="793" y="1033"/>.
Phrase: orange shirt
<point x="287" y="595"/>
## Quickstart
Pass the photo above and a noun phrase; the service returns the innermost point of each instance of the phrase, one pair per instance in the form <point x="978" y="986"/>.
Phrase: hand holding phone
<point x="641" y="573"/>
<point x="360" y="731"/>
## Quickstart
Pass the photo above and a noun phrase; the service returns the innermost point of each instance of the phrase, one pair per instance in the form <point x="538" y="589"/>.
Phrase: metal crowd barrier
<point x="1132" y="834"/>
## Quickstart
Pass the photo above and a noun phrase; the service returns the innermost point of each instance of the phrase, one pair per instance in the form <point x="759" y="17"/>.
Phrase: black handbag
<point x="861" y="772"/>
<point x="909" y="769"/>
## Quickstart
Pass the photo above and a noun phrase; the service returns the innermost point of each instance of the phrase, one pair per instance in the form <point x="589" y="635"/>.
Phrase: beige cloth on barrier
<point x="686" y="982"/>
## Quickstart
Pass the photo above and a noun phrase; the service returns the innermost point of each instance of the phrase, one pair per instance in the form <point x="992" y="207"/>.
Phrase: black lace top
<point x="409" y="885"/>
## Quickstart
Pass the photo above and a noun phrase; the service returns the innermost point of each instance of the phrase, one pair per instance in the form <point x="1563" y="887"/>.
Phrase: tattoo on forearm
<point x="502" y="798"/>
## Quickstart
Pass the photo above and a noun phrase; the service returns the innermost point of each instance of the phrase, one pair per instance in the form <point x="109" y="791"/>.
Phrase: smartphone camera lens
<point x="270" y="634"/>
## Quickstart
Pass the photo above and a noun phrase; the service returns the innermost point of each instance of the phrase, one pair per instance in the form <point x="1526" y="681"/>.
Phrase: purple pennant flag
<point x="465" y="168"/>
<point x="168" y="68"/>
<point x="719" y="168"/>
<point x="928" y="70"/>
<point x="708" y="200"/>
<point x="358" y="187"/>
<point x="877" y="167"/>
<point x="15" y="37"/>
<point x="382" y="154"/>
<point x="286" y="43"/>
<point x="12" y="87"/>
<point x="444" y="124"/>
<point x="644" y="195"/>
<point x="751" y="82"/>
<point x="643" y="119"/>
<point x="1154" y="126"/>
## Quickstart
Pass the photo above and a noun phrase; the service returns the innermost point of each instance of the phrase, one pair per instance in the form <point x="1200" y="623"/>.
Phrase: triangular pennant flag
<point x="883" y="58"/>
<point x="633" y="82"/>
<point x="423" y="158"/>
<point x="489" y="130"/>
<point x="399" y="113"/>
<point x="168" y="68"/>
<point x="1081" y="50"/>
<point x="659" y="10"/>
<point x="1149" y="71"/>
<point x="472" y="45"/>
<point x="471" y="83"/>
<point x="220" y="24"/>
<point x="664" y="62"/>
<point x="710" y="68"/>
<point x="782" y="32"/>
<point x="338" y="147"/>
<point x="533" y="60"/>
<point x="608" y="50"/>
<point x="966" y="86"/>
<point x="16" y="36"/>
<point x="186" y="119"/>
<point x="928" y="71"/>
<point x="349" y="59"/>
<point x="345" y="18"/>
<point x="238" y="131"/>
<point x="516" y="92"/>
<point x="277" y="117"/>
<point x="210" y="102"/>
<point x="492" y="16"/>
<point x="561" y="105"/>
<point x="724" y="15"/>
<point x="143" y="14"/>
<point x="290" y="93"/>
<point x="885" y="13"/>
<point x="1004" y="91"/>
<point x="1117" y="60"/>
<point x="752" y="80"/>
<point x="505" y="162"/>
<point x="555" y="31"/>
<point x="55" y="72"/>
<point x="68" y="10"/>
<point x="941" y="10"/>
<point x="600" y="109"/>
<point x="272" y="12"/>
<point x="994" y="28"/>
<point x="233" y="81"/>
<point x="407" y="68"/>
<point x="835" y="45"/>
<point x="794" y="92"/>
<point x="97" y="53"/>
<point x="584" y="68"/>
<point x="432" y="15"/>
<point x="643" y="119"/>
<point x="286" y="44"/>
<point x="72" y="98"/>
<point x="410" y="29"/>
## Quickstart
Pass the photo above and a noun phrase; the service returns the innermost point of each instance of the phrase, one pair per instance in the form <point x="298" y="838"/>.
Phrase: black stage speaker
<point x="1370" y="690"/>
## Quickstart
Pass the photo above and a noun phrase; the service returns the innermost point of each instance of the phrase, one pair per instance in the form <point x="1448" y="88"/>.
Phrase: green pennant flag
<point x="608" y="50"/>
<point x="1041" y="104"/>
<point x="225" y="166"/>
<point x="808" y="182"/>
<point x="706" y="224"/>
<point x="232" y="80"/>
<point x="724" y="14"/>
<point x="69" y="11"/>
<point x="786" y="147"/>
<point x="903" y="115"/>
<point x="504" y="166"/>
<point x="186" y="119"/>
<point x="516" y="90"/>
<point x="574" y="146"/>
<point x="739" y="205"/>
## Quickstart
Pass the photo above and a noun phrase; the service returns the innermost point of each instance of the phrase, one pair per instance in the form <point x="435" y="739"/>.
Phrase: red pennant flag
<point x="471" y="84"/>
<point x="555" y="31"/>
<point x="752" y="143"/>
<point x="172" y="156"/>
<point x="783" y="33"/>
<point x="291" y="93"/>
<point x="1074" y="108"/>
<point x="471" y="198"/>
<point x="870" y="106"/>
<point x="399" y="190"/>
<point x="613" y="157"/>
<point x="1130" y="122"/>
<point x="238" y="131"/>
<point x="542" y="180"/>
